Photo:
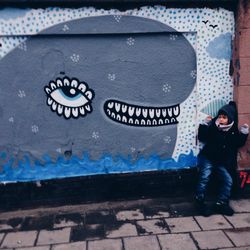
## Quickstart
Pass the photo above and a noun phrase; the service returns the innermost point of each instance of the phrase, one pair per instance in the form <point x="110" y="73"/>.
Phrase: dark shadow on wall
<point x="121" y="4"/>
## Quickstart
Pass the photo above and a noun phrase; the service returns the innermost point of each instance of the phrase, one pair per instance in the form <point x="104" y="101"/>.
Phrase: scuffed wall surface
<point x="86" y="91"/>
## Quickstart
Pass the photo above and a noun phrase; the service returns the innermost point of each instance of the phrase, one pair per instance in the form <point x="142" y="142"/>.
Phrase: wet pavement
<point x="146" y="224"/>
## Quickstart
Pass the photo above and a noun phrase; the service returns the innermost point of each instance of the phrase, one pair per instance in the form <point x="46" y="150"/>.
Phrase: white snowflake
<point x="75" y="58"/>
<point x="173" y="37"/>
<point x="111" y="77"/>
<point x="59" y="150"/>
<point x="34" y="129"/>
<point x="166" y="88"/>
<point x="11" y="119"/>
<point x="193" y="74"/>
<point x="132" y="149"/>
<point x="22" y="46"/>
<point x="117" y="18"/>
<point x="130" y="41"/>
<point x="167" y="139"/>
<point x="21" y="93"/>
<point x="95" y="135"/>
<point x="65" y="27"/>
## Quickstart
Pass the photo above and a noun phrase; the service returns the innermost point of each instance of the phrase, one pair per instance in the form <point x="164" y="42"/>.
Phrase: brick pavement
<point x="142" y="225"/>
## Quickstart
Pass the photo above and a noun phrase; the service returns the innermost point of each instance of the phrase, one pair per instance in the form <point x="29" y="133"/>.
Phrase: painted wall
<point x="88" y="91"/>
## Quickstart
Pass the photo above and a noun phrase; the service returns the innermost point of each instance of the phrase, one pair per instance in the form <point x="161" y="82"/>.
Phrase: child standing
<point x="222" y="138"/>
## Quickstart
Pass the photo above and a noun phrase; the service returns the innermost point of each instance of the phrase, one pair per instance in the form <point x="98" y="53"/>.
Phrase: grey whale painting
<point x="95" y="89"/>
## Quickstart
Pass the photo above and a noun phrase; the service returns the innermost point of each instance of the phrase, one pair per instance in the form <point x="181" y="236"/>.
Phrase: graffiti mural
<point x="99" y="92"/>
<point x="70" y="98"/>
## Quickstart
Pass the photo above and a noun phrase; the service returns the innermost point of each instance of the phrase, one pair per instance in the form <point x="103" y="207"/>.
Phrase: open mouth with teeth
<point x="134" y="115"/>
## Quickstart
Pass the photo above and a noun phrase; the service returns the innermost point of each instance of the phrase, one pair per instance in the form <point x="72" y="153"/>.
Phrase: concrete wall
<point x="169" y="68"/>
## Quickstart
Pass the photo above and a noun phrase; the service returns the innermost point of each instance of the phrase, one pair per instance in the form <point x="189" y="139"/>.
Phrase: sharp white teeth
<point x="124" y="119"/>
<point x="113" y="115"/>
<point x="74" y="83"/>
<point x="176" y="111"/>
<point x="48" y="90"/>
<point x="164" y="112"/>
<point x="49" y="101"/>
<point x="137" y="121"/>
<point x="151" y="113"/>
<point x="131" y="110"/>
<point x="170" y="112"/>
<point x="143" y="122"/>
<point x="60" y="109"/>
<point x="173" y="120"/>
<point x="154" y="122"/>
<point x="82" y="87"/>
<point x="166" y="121"/>
<point x="148" y="122"/>
<point x="110" y="105"/>
<point x="88" y="108"/>
<point x="108" y="111"/>
<point x="67" y="112"/>
<point x="118" y="118"/>
<point x="158" y="112"/>
<point x="54" y="106"/>
<point x="124" y="108"/>
<point x="117" y="106"/>
<point x="89" y="94"/>
<point x="130" y="121"/>
<point x="52" y="85"/>
<point x="82" y="110"/>
<point x="160" y="122"/>
<point x="145" y="113"/>
<point x="59" y="83"/>
<point x="66" y="82"/>
<point x="138" y="111"/>
<point x="75" y="112"/>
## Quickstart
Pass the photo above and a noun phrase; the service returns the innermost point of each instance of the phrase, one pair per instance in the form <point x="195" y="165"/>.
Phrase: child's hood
<point x="231" y="111"/>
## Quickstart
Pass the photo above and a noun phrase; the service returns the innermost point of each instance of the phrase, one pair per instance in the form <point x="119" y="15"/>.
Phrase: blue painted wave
<point x="84" y="166"/>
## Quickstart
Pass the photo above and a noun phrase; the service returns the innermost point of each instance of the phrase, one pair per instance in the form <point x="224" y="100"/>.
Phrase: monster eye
<point x="70" y="98"/>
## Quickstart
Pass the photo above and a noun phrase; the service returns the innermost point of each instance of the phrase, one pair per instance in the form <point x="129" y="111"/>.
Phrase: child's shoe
<point x="202" y="207"/>
<point x="223" y="208"/>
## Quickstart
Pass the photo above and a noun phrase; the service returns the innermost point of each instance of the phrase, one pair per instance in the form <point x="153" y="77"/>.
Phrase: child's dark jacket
<point x="221" y="146"/>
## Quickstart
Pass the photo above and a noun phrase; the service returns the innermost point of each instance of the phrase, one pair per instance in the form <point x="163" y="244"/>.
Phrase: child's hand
<point x="244" y="129"/>
<point x="208" y="119"/>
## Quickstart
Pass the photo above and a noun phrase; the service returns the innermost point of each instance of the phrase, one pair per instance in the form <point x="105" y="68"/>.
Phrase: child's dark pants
<point x="225" y="180"/>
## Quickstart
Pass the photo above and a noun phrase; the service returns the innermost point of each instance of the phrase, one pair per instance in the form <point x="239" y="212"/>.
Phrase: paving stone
<point x="68" y="220"/>
<point x="241" y="206"/>
<point x="151" y="227"/>
<point x="212" y="222"/>
<point x="144" y="242"/>
<point x="100" y="217"/>
<point x="124" y="230"/>
<point x="11" y="224"/>
<point x="19" y="239"/>
<point x="240" y="237"/>
<point x="1" y="237"/>
<point x="87" y="232"/>
<point x="240" y="220"/>
<point x="130" y="215"/>
<point x="212" y="239"/>
<point x="37" y="223"/>
<point x="176" y="242"/>
<point x="155" y="212"/>
<point x="236" y="248"/>
<point x="81" y="245"/>
<point x="108" y="244"/>
<point x="181" y="225"/>
<point x="35" y="248"/>
<point x="53" y="237"/>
